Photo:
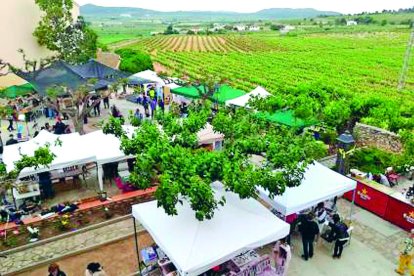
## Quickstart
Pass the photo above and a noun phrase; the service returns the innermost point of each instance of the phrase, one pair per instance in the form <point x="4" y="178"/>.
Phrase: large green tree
<point x="167" y="154"/>
<point x="71" y="39"/>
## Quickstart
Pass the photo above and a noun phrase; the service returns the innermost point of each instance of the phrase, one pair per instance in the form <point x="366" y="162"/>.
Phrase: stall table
<point x="385" y="202"/>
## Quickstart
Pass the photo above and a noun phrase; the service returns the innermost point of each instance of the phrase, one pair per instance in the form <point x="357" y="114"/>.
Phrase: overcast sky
<point x="343" y="6"/>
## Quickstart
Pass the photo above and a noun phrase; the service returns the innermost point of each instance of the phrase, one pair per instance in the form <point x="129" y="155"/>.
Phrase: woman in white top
<point x="281" y="257"/>
<point x="321" y="215"/>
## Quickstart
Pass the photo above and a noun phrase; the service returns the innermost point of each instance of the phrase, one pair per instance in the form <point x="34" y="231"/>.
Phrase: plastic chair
<point x="350" y="229"/>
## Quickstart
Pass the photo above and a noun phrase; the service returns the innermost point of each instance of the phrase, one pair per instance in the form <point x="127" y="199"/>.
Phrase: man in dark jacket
<point x="339" y="234"/>
<point x="309" y="230"/>
<point x="11" y="140"/>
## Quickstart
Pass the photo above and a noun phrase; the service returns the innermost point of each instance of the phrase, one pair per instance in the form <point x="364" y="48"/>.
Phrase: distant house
<point x="287" y="29"/>
<point x="239" y="28"/>
<point x="125" y="15"/>
<point x="217" y="27"/>
<point x="254" y="28"/>
<point x="351" y="23"/>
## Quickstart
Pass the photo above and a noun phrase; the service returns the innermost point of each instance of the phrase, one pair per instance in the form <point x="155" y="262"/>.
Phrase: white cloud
<point x="344" y="6"/>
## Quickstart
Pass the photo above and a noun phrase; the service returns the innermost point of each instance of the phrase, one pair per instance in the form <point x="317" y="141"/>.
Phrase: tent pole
<point x="136" y="244"/>
<point x="100" y="178"/>
<point x="352" y="205"/>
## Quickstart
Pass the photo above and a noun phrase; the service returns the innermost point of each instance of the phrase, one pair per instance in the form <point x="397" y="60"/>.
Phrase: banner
<point x="167" y="95"/>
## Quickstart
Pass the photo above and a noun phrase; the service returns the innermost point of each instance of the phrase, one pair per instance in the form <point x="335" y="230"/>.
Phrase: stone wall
<point x="366" y="135"/>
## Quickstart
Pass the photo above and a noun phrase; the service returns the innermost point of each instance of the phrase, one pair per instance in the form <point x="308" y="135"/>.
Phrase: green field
<point x="359" y="65"/>
<point x="110" y="32"/>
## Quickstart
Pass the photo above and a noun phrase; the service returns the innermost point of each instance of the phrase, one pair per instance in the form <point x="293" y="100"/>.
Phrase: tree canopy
<point x="72" y="39"/>
<point x="167" y="154"/>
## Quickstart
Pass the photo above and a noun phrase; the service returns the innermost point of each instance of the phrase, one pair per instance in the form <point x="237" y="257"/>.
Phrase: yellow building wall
<point x="18" y="21"/>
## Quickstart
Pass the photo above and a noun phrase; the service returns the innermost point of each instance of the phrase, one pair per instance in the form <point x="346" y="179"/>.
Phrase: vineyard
<point x="362" y="66"/>
<point x="198" y="43"/>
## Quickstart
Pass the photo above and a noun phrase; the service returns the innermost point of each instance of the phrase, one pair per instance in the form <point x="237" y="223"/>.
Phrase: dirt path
<point x="118" y="259"/>
<point x="123" y="44"/>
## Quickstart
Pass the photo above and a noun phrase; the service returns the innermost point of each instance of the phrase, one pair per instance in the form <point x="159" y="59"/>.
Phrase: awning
<point x="319" y="184"/>
<point x="149" y="75"/>
<point x="223" y="94"/>
<point x="195" y="247"/>
<point x="15" y="91"/>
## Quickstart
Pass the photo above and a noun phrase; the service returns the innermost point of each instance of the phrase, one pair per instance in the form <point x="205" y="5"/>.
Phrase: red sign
<point x="371" y="199"/>
<point x="400" y="213"/>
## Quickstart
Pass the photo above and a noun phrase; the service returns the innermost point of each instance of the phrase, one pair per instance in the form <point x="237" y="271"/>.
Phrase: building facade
<point x="17" y="23"/>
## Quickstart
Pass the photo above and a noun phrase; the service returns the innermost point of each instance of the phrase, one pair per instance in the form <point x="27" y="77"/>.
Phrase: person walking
<point x="406" y="255"/>
<point x="153" y="107"/>
<point x="106" y="102"/>
<point x="54" y="270"/>
<point x="339" y="235"/>
<point x="310" y="231"/>
<point x="97" y="107"/>
<point x="10" y="119"/>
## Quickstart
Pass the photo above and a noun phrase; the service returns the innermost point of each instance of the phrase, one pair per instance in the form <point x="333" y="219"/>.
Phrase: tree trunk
<point x="78" y="124"/>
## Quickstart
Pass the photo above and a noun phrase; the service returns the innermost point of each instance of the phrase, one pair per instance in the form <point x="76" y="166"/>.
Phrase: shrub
<point x="134" y="61"/>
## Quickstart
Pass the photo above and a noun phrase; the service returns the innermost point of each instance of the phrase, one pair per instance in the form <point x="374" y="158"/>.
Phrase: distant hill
<point x="92" y="11"/>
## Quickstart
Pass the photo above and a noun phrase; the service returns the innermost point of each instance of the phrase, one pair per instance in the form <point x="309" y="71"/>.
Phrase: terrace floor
<point x="373" y="251"/>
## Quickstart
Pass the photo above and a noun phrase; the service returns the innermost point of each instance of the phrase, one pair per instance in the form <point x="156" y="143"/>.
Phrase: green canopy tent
<point x="223" y="94"/>
<point x="15" y="91"/>
<point x="287" y="118"/>
<point x="226" y="93"/>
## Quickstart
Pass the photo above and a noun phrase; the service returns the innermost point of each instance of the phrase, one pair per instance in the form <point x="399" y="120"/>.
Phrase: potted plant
<point x="63" y="223"/>
<point x="33" y="234"/>
<point x="108" y="213"/>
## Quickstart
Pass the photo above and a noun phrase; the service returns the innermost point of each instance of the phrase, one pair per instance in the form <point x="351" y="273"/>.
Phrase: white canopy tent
<point x="68" y="154"/>
<point x="198" y="246"/>
<point x="78" y="150"/>
<point x="151" y="76"/>
<point x="244" y="100"/>
<point x="319" y="184"/>
<point x="106" y="148"/>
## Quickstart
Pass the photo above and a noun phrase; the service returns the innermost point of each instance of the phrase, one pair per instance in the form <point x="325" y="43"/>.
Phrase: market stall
<point x="107" y="151"/>
<point x="391" y="205"/>
<point x="197" y="246"/>
<point x="242" y="101"/>
<point x="319" y="184"/>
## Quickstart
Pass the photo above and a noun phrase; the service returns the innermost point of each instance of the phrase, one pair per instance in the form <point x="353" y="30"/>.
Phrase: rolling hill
<point x="93" y="11"/>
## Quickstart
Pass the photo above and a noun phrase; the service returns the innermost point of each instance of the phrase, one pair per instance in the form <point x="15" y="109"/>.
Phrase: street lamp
<point x="345" y="143"/>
